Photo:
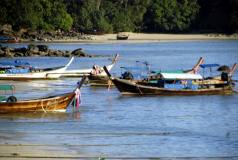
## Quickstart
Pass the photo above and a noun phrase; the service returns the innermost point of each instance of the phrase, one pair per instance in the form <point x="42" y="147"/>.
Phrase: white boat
<point x="20" y="71"/>
<point x="96" y="70"/>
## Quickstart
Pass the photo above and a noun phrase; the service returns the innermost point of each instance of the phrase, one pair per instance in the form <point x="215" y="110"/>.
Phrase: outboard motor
<point x="128" y="75"/>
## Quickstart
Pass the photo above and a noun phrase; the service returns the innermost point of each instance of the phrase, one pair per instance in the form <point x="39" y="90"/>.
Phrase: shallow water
<point x="141" y="127"/>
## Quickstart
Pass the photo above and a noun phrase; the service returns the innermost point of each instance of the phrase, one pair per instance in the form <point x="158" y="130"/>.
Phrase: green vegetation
<point x="171" y="16"/>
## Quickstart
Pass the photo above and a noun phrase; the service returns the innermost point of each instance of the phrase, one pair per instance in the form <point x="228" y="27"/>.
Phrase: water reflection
<point x="78" y="115"/>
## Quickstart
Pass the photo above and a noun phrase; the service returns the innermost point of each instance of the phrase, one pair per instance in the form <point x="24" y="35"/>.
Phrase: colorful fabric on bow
<point x="96" y="70"/>
<point x="77" y="99"/>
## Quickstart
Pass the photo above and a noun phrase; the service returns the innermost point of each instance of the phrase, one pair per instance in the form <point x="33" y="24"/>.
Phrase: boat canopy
<point x="172" y="71"/>
<point x="180" y="76"/>
<point x="134" y="68"/>
<point x="6" y="87"/>
<point x="15" y="64"/>
<point x="209" y="65"/>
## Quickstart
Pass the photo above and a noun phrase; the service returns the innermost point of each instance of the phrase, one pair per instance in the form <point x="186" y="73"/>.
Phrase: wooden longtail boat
<point x="122" y="37"/>
<point x="11" y="71"/>
<point x="96" y="70"/>
<point x="128" y="87"/>
<point x="138" y="73"/>
<point x="206" y="80"/>
<point x="141" y="74"/>
<point x="10" y="40"/>
<point x="53" y="103"/>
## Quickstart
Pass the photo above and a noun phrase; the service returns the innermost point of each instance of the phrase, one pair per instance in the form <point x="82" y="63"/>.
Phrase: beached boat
<point x="96" y="70"/>
<point x="173" y="84"/>
<point x="55" y="103"/>
<point x="9" y="40"/>
<point x="22" y="71"/>
<point x="122" y="37"/>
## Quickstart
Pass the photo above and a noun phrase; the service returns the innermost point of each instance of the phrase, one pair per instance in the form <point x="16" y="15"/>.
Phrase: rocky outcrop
<point x="40" y="51"/>
<point x="45" y="36"/>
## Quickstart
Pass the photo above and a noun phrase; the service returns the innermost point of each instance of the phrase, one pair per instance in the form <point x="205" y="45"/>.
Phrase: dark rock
<point x="30" y="33"/>
<point x="223" y="68"/>
<point x="6" y="27"/>
<point x="79" y="53"/>
<point x="42" y="54"/>
<point x="19" y="54"/>
<point x="43" y="48"/>
<point x="8" y="54"/>
<point x="33" y="48"/>
<point x="1" y="53"/>
<point x="6" y="33"/>
<point x="59" y="54"/>
<point x="22" y="50"/>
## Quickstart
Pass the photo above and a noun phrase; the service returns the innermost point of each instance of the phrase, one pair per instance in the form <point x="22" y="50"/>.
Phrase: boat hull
<point x="58" y="103"/>
<point x="127" y="87"/>
<point x="101" y="80"/>
<point x="50" y="75"/>
<point x="11" y="41"/>
<point x="81" y="72"/>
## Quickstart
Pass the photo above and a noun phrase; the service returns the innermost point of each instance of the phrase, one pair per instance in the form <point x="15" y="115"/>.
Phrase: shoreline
<point x="143" y="38"/>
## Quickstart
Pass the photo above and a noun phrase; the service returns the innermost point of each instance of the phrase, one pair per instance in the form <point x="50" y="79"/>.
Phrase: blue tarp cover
<point x="15" y="70"/>
<point x="15" y="64"/>
<point x="209" y="65"/>
<point x="181" y="86"/>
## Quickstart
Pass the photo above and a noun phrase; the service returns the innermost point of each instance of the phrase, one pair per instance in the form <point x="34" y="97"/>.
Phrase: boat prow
<point x="18" y="72"/>
<point x="96" y="70"/>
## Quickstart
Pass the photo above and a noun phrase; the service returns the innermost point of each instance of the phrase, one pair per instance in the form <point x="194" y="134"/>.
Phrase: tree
<point x="20" y="14"/>
<point x="173" y="15"/>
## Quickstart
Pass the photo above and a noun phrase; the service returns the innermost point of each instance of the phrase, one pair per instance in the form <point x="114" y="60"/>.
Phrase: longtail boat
<point x="55" y="103"/>
<point x="95" y="70"/>
<point x="139" y="74"/>
<point x="173" y="84"/>
<point x="122" y="37"/>
<point x="21" y="71"/>
<point x="9" y="40"/>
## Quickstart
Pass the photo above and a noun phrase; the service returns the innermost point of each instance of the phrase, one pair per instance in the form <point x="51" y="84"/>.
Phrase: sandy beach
<point x="152" y="38"/>
<point x="142" y="38"/>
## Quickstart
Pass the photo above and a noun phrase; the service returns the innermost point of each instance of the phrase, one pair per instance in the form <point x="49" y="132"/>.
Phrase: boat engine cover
<point x="224" y="76"/>
<point x="128" y="75"/>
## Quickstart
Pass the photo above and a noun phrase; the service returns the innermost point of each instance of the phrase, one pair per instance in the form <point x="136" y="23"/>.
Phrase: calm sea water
<point x="141" y="127"/>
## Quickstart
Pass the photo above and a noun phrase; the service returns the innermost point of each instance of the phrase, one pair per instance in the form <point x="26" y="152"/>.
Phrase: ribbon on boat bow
<point x="77" y="99"/>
